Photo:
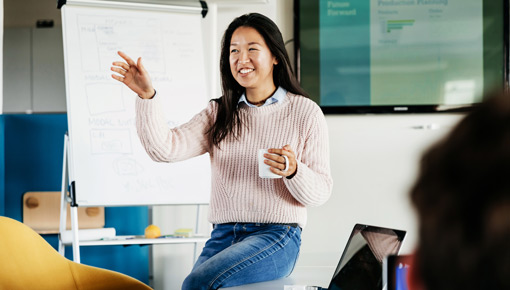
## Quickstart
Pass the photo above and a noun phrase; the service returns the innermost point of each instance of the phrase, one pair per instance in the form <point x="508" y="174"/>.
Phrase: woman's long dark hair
<point x="227" y="120"/>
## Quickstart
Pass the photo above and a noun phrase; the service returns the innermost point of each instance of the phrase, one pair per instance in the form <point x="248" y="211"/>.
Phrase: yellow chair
<point x="27" y="261"/>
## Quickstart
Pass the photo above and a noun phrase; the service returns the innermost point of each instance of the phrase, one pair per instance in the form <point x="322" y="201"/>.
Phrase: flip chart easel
<point x="104" y="162"/>
<point x="68" y="197"/>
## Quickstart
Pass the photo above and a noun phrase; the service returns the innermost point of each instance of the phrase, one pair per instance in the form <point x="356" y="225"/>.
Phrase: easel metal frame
<point x="71" y="199"/>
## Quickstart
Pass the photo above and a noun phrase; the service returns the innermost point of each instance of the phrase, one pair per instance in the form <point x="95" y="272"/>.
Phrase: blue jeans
<point x="243" y="253"/>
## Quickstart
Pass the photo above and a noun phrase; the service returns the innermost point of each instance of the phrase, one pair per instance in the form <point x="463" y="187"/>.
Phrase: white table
<point x="302" y="275"/>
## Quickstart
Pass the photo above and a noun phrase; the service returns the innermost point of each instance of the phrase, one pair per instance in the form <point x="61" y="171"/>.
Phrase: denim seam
<point x="295" y="262"/>
<point x="247" y="258"/>
<point x="234" y="232"/>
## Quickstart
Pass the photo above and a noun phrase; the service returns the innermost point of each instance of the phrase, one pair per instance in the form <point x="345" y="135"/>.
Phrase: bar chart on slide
<point x="397" y="24"/>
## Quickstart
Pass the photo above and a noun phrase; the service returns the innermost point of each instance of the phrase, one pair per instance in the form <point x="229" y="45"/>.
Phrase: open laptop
<point x="361" y="264"/>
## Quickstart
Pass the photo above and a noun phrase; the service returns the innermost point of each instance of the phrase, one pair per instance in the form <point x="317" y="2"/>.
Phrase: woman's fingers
<point x="119" y="70"/>
<point x="276" y="164"/>
<point x="273" y="159"/>
<point x="140" y="65"/>
<point x="127" y="58"/>
<point x="279" y="154"/>
<point x="277" y="160"/>
<point x="121" y="64"/>
<point x="117" y="77"/>
<point x="125" y="70"/>
<point x="133" y="75"/>
<point x="121" y="74"/>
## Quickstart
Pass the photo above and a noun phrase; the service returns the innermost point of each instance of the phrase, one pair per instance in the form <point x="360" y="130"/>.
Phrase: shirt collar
<point x="277" y="97"/>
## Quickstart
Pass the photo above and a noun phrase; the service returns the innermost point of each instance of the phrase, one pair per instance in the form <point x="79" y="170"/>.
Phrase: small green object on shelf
<point x="185" y="233"/>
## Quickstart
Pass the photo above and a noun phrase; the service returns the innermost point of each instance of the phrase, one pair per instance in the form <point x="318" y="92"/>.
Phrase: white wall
<point x="34" y="63"/>
<point x="374" y="161"/>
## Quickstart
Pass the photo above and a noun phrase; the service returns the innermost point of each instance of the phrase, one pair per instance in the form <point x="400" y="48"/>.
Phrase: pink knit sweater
<point x="238" y="194"/>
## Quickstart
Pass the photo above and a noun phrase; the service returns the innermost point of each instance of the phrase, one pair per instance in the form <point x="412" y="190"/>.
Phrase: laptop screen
<point x="361" y="264"/>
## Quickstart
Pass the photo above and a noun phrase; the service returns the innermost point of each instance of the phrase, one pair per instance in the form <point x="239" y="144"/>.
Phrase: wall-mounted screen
<point x="378" y="56"/>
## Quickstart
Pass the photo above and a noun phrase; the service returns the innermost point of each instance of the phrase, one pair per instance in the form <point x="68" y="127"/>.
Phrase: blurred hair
<point x="462" y="197"/>
<point x="227" y="120"/>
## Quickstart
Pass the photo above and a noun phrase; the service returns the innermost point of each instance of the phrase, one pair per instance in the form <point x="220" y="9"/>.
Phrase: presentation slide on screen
<point x="393" y="52"/>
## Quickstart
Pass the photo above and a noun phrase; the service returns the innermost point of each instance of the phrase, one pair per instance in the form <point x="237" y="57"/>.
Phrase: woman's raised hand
<point x="134" y="76"/>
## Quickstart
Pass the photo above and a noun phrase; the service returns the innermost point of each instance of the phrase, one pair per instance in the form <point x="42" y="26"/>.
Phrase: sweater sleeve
<point x="312" y="184"/>
<point x="165" y="144"/>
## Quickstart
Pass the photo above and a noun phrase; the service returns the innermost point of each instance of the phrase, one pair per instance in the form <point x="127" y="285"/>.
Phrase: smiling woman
<point x="257" y="221"/>
<point x="251" y="63"/>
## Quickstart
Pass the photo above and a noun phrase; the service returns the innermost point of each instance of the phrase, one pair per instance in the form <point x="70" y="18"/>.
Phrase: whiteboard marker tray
<point x="140" y="240"/>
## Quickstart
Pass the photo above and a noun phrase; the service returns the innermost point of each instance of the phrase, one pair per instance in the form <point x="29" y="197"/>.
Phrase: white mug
<point x="264" y="169"/>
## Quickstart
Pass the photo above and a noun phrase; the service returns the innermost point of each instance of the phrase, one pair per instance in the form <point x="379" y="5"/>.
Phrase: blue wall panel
<point x="33" y="153"/>
<point x="2" y="167"/>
